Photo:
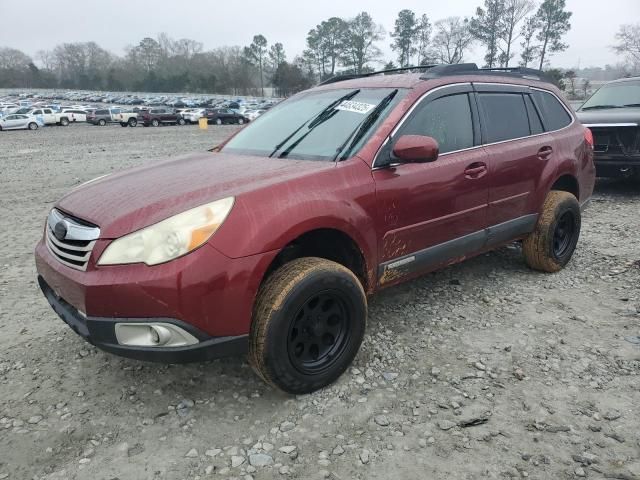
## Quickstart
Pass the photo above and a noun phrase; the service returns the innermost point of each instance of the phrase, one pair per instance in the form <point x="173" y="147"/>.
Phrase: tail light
<point x="588" y="136"/>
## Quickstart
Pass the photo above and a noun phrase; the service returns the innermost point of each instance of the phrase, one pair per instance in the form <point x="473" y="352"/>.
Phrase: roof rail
<point x="472" y="69"/>
<point x="436" y="71"/>
<point x="350" y="76"/>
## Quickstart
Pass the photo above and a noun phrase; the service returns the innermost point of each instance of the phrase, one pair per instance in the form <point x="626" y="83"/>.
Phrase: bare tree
<point x="628" y="38"/>
<point x="515" y="11"/>
<point x="46" y="59"/>
<point x="451" y="40"/>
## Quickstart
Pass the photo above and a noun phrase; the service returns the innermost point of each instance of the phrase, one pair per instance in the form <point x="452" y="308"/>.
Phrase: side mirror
<point x="416" y="149"/>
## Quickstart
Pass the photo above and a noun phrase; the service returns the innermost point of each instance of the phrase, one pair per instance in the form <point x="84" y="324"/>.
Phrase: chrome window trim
<point x="603" y="125"/>
<point x="426" y="94"/>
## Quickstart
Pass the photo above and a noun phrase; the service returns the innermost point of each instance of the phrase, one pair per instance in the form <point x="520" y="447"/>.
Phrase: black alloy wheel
<point x="319" y="332"/>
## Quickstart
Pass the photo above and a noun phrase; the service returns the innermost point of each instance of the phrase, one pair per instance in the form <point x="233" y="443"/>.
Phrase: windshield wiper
<point x="364" y="127"/>
<point x="598" y="107"/>
<point x="324" y="115"/>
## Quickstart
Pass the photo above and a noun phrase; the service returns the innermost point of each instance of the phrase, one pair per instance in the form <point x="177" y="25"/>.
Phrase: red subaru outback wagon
<point x="270" y="244"/>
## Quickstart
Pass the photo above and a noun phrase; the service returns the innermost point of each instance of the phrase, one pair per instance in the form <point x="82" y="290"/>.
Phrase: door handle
<point x="475" y="170"/>
<point x="544" y="153"/>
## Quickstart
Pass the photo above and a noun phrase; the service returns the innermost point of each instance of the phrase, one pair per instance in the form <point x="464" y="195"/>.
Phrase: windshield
<point x="317" y="125"/>
<point x="615" y="95"/>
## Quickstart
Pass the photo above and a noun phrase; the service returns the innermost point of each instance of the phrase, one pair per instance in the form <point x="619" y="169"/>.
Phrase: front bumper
<point x="101" y="333"/>
<point x="205" y="289"/>
<point x="616" y="165"/>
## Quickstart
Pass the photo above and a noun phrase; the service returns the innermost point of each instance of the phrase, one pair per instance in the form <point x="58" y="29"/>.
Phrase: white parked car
<point x="253" y="114"/>
<point x="17" y="121"/>
<point x="75" y="115"/>
<point x="192" y="115"/>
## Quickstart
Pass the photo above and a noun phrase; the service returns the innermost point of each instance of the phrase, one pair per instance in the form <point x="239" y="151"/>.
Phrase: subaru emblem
<point x="60" y="230"/>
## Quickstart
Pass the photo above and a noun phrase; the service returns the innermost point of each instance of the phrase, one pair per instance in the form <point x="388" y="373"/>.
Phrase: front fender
<point x="340" y="198"/>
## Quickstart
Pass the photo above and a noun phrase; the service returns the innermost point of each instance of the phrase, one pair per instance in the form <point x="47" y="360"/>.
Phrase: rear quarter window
<point x="554" y="115"/>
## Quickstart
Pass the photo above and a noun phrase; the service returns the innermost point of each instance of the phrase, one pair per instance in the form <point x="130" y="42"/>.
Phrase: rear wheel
<point x="240" y="121"/>
<point x="551" y="245"/>
<point x="218" y="121"/>
<point x="33" y="126"/>
<point x="64" y="122"/>
<point x="308" y="324"/>
<point x="132" y="122"/>
<point x="102" y="122"/>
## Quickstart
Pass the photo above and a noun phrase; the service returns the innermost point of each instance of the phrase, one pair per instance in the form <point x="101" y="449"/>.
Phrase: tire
<point x="181" y="121"/>
<point x="550" y="246"/>
<point x="102" y="122"/>
<point x="64" y="122"/>
<point x="308" y="323"/>
<point x="132" y="122"/>
<point x="33" y="126"/>
<point x="218" y="121"/>
<point x="155" y="122"/>
<point x="241" y="121"/>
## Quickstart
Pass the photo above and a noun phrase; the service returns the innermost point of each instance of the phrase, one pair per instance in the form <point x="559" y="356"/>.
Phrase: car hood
<point x="610" y="115"/>
<point x="127" y="201"/>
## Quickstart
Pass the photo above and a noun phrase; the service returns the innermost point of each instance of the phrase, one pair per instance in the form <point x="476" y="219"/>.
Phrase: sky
<point x="113" y="24"/>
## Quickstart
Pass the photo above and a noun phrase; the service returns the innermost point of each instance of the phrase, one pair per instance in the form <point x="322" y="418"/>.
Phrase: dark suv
<point x="613" y="115"/>
<point x="221" y="116"/>
<point x="160" y="116"/>
<point x="271" y="243"/>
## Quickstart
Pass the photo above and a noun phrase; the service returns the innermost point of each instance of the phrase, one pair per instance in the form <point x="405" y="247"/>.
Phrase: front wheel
<point x="240" y="121"/>
<point x="64" y="122"/>
<point x="308" y="324"/>
<point x="181" y="121"/>
<point x="218" y="121"/>
<point x="133" y="122"/>
<point x="33" y="126"/>
<point x="102" y="122"/>
<point x="551" y="245"/>
<point x="155" y="122"/>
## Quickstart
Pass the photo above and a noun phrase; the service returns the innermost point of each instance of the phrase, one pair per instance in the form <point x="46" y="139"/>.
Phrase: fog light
<point x="152" y="334"/>
<point x="155" y="336"/>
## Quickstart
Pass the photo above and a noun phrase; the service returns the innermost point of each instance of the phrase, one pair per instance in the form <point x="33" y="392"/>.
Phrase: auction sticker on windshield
<point x="355" y="107"/>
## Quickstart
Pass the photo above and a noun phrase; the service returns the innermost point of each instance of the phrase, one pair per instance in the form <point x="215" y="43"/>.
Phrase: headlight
<point x="170" y="238"/>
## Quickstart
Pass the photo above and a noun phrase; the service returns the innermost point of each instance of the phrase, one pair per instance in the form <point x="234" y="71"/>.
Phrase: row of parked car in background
<point x="33" y="110"/>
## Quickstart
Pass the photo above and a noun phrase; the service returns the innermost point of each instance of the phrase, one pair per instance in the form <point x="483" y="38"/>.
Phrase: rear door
<point x="518" y="151"/>
<point x="430" y="213"/>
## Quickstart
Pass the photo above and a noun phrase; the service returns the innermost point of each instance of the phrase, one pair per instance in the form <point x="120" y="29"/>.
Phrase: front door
<point x="432" y="213"/>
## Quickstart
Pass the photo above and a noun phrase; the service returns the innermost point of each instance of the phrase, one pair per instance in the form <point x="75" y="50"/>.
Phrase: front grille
<point x="74" y="248"/>
<point x="616" y="140"/>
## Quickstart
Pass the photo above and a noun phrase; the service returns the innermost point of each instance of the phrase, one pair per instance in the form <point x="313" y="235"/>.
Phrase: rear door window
<point x="554" y="115"/>
<point x="446" y="119"/>
<point x="505" y="116"/>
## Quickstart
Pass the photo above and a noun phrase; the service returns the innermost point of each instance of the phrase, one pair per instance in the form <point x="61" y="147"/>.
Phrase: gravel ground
<point x="483" y="370"/>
